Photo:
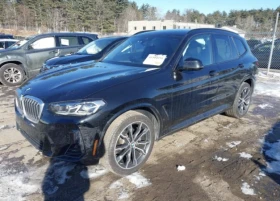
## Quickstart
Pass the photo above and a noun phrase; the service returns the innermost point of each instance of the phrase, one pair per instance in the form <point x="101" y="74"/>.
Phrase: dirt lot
<point x="224" y="159"/>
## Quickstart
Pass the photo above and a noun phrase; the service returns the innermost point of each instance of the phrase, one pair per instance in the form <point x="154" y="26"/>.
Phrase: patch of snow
<point x="268" y="88"/>
<point x="233" y="144"/>
<point x="227" y="126"/>
<point x="245" y="155"/>
<point x="264" y="106"/>
<point x="14" y="187"/>
<point x="93" y="172"/>
<point x="2" y="127"/>
<point x="181" y="168"/>
<point x="123" y="195"/>
<point x="221" y="159"/>
<point x="262" y="174"/>
<point x="3" y="148"/>
<point x="116" y="184"/>
<point x="206" y="141"/>
<point x="138" y="180"/>
<point x="247" y="190"/>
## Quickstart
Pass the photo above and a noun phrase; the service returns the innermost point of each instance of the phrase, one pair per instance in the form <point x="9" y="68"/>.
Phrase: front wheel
<point x="242" y="101"/>
<point x="128" y="143"/>
<point x="11" y="74"/>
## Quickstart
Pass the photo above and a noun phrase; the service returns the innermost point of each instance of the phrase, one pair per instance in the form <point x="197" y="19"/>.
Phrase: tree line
<point x="108" y="16"/>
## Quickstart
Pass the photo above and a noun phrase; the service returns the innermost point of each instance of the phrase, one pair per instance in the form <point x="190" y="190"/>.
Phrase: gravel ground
<point x="220" y="158"/>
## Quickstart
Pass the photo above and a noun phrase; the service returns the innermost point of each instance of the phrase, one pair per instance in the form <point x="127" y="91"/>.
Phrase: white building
<point x="235" y="30"/>
<point x="136" y="26"/>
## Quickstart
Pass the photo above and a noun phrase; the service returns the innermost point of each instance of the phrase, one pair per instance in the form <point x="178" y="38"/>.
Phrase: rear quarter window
<point x="68" y="41"/>
<point x="86" y="40"/>
<point x="240" y="46"/>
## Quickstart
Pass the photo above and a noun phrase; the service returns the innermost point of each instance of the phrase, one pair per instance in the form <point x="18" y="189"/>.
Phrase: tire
<point x="125" y="154"/>
<point x="11" y="75"/>
<point x="241" y="102"/>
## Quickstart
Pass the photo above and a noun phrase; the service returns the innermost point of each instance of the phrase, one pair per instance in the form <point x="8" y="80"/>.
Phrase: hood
<point x="71" y="59"/>
<point x="80" y="81"/>
<point x="4" y="52"/>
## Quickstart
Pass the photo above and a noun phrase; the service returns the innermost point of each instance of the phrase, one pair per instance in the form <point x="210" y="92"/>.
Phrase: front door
<point x="38" y="52"/>
<point x="194" y="89"/>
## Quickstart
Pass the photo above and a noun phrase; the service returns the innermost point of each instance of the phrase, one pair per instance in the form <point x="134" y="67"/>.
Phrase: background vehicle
<point x="6" y="36"/>
<point x="25" y="58"/>
<point x="116" y="108"/>
<point x="262" y="52"/>
<point x="92" y="52"/>
<point x="5" y="43"/>
<point x="253" y="43"/>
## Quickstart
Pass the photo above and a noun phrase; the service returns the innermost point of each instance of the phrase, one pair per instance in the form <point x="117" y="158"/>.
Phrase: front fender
<point x="133" y="106"/>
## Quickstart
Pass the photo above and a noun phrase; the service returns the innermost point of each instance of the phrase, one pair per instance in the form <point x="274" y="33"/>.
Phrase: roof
<point x="180" y="32"/>
<point x="234" y="29"/>
<point x="183" y="32"/>
<point x="116" y="37"/>
<point x="65" y="33"/>
<point x="8" y="39"/>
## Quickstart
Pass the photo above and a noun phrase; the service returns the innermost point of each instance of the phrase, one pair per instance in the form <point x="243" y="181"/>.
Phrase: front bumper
<point x="66" y="141"/>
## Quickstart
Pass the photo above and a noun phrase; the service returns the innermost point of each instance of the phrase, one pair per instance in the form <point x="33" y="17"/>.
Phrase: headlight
<point x="76" y="108"/>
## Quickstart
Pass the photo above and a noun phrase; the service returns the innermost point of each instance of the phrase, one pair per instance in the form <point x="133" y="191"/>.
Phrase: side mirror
<point x="29" y="47"/>
<point x="191" y="64"/>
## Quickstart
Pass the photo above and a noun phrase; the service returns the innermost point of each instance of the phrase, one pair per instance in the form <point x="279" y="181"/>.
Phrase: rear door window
<point x="68" y="41"/>
<point x="9" y="44"/>
<point x="224" y="49"/>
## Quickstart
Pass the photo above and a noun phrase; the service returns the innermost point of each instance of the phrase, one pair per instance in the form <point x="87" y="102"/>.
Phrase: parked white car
<point x="5" y="43"/>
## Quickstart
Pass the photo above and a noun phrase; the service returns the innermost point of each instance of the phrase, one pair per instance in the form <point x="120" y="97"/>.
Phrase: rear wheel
<point x="128" y="143"/>
<point x="242" y="101"/>
<point x="11" y="74"/>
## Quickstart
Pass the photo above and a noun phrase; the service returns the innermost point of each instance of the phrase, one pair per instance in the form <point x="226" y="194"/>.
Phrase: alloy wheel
<point x="12" y="75"/>
<point x="132" y="145"/>
<point x="244" y="100"/>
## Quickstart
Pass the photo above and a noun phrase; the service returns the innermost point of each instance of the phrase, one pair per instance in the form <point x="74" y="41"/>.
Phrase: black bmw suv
<point x="153" y="84"/>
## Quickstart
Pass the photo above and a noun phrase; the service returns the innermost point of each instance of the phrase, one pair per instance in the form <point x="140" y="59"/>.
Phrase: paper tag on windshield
<point x="155" y="59"/>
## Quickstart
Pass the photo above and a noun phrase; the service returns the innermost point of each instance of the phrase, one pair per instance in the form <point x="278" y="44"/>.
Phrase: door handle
<point x="213" y="73"/>
<point x="241" y="65"/>
<point x="53" y="51"/>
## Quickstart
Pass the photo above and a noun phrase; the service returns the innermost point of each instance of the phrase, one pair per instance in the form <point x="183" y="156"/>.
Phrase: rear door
<point x="68" y="44"/>
<point x="231" y="65"/>
<point x="38" y="52"/>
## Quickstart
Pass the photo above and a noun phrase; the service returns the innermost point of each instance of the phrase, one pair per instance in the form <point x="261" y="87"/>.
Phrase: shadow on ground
<point x="65" y="181"/>
<point x="271" y="154"/>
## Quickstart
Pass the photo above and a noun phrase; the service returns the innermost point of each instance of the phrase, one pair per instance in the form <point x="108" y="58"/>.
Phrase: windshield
<point x="19" y="43"/>
<point x="96" y="46"/>
<point x="145" y="50"/>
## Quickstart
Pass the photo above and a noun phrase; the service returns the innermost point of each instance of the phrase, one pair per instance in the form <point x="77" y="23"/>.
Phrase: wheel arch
<point x="14" y="62"/>
<point x="250" y="80"/>
<point x="145" y="108"/>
